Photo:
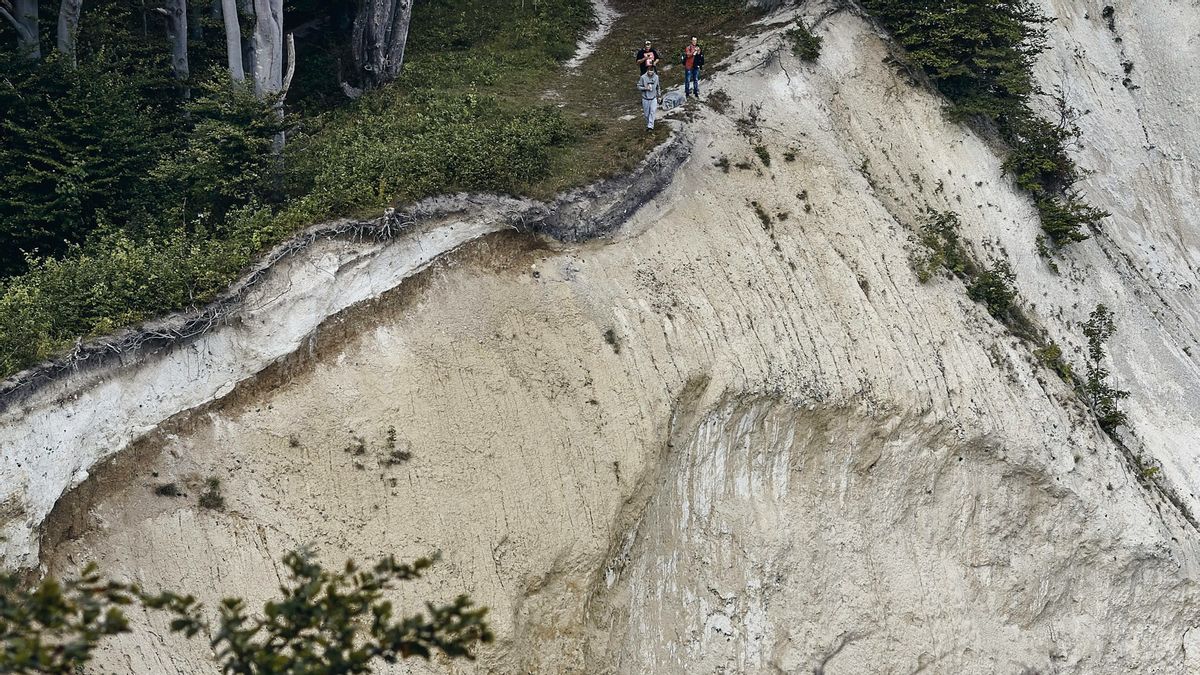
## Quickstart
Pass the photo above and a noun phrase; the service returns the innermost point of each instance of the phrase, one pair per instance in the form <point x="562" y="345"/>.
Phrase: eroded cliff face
<point x="714" y="443"/>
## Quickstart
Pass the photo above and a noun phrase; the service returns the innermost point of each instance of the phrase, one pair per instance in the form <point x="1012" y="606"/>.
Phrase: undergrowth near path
<point x="483" y="104"/>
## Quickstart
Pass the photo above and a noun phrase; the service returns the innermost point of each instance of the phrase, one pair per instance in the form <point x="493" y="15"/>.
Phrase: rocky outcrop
<point x="738" y="434"/>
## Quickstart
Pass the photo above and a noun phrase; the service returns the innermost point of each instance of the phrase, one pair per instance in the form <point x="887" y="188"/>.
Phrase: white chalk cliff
<point x="701" y="443"/>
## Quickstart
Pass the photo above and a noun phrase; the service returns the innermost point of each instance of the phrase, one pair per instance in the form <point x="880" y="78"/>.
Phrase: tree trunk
<point x="268" y="47"/>
<point x="68" y="27"/>
<point x="246" y="11"/>
<point x="23" y="15"/>
<point x="380" y="34"/>
<point x="233" y="40"/>
<point x="177" y="33"/>
<point x="195" y="27"/>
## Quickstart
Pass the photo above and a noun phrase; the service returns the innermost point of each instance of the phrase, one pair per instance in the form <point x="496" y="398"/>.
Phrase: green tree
<point x="1103" y="398"/>
<point x="326" y="622"/>
<point x="226" y="160"/>
<point x="75" y="144"/>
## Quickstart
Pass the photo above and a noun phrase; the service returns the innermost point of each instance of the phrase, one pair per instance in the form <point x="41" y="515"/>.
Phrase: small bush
<point x="610" y="336"/>
<point x="168" y="490"/>
<point x="805" y="45"/>
<point x="1051" y="356"/>
<point x="398" y="456"/>
<point x="719" y="101"/>
<point x="761" y="213"/>
<point x="763" y="154"/>
<point x="944" y="249"/>
<point x="749" y="123"/>
<point x="993" y="288"/>
<point x="1067" y="218"/>
<point x="1102" y="398"/>
<point x="212" y="498"/>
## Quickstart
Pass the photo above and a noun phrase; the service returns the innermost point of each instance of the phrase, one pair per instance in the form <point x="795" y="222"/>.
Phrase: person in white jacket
<point x="651" y="94"/>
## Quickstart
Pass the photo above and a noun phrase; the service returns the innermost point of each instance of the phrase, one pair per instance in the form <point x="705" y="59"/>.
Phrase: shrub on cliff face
<point x="980" y="54"/>
<point x="805" y="45"/>
<point x="944" y="250"/>
<point x="994" y="289"/>
<point x="1103" y="398"/>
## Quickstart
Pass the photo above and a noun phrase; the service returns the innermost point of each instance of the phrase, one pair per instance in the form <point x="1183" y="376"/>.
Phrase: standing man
<point x="693" y="58"/>
<point x="651" y="94"/>
<point x="647" y="56"/>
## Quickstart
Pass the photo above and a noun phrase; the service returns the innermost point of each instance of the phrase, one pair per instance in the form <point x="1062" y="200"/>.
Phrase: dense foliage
<point x="980" y="55"/>
<point x="128" y="194"/>
<point x="326" y="622"/>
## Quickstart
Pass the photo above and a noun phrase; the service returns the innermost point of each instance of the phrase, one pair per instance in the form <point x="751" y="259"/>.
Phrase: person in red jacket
<point x="693" y="58"/>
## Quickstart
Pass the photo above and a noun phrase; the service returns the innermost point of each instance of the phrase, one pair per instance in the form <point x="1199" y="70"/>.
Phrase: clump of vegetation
<point x="980" y="55"/>
<point x="805" y="45"/>
<point x="763" y="154"/>
<point x="749" y="124"/>
<point x="1102" y="398"/>
<point x="722" y="163"/>
<point x="212" y="498"/>
<point x="357" y="446"/>
<point x="943" y="249"/>
<point x="168" y="490"/>
<point x="719" y="101"/>
<point x="395" y="455"/>
<point x="761" y="213"/>
<point x="1051" y="356"/>
<point x="993" y="288"/>
<point x="610" y="336"/>
<point x="327" y="621"/>
<point x="789" y="156"/>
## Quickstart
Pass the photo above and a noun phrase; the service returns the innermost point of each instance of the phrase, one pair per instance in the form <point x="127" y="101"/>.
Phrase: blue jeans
<point x="691" y="80"/>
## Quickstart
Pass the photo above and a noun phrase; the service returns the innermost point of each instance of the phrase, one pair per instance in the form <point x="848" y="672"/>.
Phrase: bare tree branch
<point x="291" y="66"/>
